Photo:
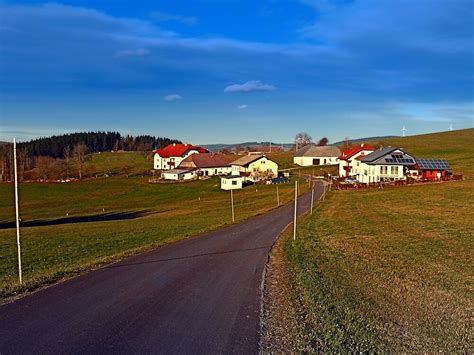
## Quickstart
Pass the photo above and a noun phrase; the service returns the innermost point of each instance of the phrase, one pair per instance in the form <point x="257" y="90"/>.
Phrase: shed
<point x="311" y="155"/>
<point x="232" y="182"/>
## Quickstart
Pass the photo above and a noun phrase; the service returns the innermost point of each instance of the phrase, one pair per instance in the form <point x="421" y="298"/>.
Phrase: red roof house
<point x="171" y="156"/>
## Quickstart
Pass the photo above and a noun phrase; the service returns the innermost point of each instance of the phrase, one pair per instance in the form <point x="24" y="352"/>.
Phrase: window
<point x="234" y="182"/>
<point x="394" y="170"/>
<point x="383" y="170"/>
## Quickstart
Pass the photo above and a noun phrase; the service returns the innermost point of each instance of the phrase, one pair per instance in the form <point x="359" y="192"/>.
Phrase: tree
<point x="67" y="155"/>
<point x="302" y="139"/>
<point x="79" y="152"/>
<point x="323" y="141"/>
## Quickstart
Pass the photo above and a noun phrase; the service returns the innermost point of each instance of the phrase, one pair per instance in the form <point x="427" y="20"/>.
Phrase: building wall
<point x="309" y="161"/>
<point x="162" y="163"/>
<point x="216" y="171"/>
<point x="353" y="163"/>
<point x="376" y="173"/>
<point x="175" y="176"/>
<point x="231" y="184"/>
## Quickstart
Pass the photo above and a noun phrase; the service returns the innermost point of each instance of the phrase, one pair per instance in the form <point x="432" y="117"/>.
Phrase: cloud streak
<point x="173" y="97"/>
<point x="249" y="86"/>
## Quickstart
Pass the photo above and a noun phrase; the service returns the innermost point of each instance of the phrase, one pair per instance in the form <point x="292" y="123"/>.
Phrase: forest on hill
<point x="53" y="157"/>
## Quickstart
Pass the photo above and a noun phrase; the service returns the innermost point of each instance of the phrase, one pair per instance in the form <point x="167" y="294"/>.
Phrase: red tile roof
<point x="177" y="150"/>
<point x="348" y="153"/>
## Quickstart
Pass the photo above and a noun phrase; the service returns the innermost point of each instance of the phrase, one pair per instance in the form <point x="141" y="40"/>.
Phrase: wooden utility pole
<point x="17" y="214"/>
<point x="312" y="198"/>
<point x="232" y="204"/>
<point x="296" y="208"/>
<point x="278" y="197"/>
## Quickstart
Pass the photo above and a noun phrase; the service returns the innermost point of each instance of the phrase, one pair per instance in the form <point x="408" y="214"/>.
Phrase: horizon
<point x="243" y="71"/>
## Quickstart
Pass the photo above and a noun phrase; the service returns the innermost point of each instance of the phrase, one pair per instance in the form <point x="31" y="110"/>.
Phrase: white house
<point x="387" y="164"/>
<point x="172" y="155"/>
<point x="208" y="164"/>
<point x="179" y="174"/>
<point x="349" y="162"/>
<point x="232" y="182"/>
<point x="311" y="155"/>
<point x="255" y="168"/>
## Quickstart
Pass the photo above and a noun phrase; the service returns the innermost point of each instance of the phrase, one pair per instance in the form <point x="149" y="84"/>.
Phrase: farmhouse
<point x="207" y="164"/>
<point x="311" y="155"/>
<point x="255" y="168"/>
<point x="387" y="164"/>
<point x="349" y="163"/>
<point x="171" y="156"/>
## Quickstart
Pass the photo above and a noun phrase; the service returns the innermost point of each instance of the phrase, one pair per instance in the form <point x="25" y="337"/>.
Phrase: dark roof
<point x="246" y="160"/>
<point x="433" y="164"/>
<point x="377" y="154"/>
<point x="312" y="150"/>
<point x="206" y="160"/>
<point x="388" y="156"/>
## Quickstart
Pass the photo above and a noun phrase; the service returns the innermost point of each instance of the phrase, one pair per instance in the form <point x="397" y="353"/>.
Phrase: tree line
<point x="69" y="150"/>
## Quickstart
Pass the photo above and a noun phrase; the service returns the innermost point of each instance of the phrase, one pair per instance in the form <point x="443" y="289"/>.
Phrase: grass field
<point x="389" y="270"/>
<point x="167" y="212"/>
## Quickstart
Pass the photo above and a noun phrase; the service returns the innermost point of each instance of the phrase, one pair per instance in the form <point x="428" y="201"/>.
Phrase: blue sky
<point x="214" y="71"/>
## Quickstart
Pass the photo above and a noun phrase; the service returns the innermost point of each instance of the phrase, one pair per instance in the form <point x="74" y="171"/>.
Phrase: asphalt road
<point x="200" y="295"/>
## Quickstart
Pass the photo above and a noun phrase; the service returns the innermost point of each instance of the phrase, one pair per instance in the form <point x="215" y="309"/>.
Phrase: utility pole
<point x="278" y="197"/>
<point x="296" y="208"/>
<point x="232" y="204"/>
<point x="20" y="275"/>
<point x="312" y="198"/>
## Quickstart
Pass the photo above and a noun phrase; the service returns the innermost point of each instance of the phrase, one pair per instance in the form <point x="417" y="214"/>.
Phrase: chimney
<point x="174" y="144"/>
<point x="362" y="145"/>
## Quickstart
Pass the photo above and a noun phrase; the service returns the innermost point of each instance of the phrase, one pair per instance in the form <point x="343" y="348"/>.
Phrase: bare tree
<point x="79" y="153"/>
<point x="67" y="156"/>
<point x="45" y="167"/>
<point x="323" y="141"/>
<point x="302" y="139"/>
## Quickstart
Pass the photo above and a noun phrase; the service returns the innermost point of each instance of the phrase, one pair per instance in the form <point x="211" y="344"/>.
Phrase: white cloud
<point x="249" y="86"/>
<point x="140" y="52"/>
<point x="172" y="97"/>
<point x="242" y="107"/>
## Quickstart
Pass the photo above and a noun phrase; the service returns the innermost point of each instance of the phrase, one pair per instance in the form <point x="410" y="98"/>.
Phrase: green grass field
<point x="172" y="212"/>
<point x="391" y="269"/>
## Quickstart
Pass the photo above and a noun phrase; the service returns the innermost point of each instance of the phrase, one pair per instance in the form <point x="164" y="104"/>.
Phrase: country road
<point x="200" y="295"/>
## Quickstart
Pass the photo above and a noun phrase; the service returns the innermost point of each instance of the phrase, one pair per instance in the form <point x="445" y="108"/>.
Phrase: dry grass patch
<point x="388" y="269"/>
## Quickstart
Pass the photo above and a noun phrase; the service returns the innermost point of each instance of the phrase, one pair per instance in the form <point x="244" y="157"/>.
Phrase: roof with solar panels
<point x="433" y="164"/>
<point x="388" y="156"/>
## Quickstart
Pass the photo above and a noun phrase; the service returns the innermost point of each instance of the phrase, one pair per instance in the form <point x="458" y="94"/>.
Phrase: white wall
<point x="231" y="184"/>
<point x="308" y="161"/>
<point x="162" y="163"/>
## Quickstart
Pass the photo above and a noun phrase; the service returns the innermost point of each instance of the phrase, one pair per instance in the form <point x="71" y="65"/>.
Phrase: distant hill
<point x="252" y="145"/>
<point x="366" y="139"/>
<point x="244" y="145"/>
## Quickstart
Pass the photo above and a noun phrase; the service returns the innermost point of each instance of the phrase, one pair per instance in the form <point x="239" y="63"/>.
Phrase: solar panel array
<point x="433" y="164"/>
<point x="398" y="158"/>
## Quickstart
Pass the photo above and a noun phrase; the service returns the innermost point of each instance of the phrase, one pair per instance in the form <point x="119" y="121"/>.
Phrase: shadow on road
<point x="110" y="216"/>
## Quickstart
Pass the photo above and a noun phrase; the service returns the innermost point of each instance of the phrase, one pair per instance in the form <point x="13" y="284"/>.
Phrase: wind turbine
<point x="403" y="131"/>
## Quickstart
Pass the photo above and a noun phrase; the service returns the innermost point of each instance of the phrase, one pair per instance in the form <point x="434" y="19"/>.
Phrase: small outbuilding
<point x="179" y="174"/>
<point x="232" y="182"/>
<point x="313" y="155"/>
<point x="433" y="169"/>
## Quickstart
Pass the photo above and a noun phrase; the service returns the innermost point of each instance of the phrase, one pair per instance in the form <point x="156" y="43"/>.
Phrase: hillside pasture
<point x="156" y="214"/>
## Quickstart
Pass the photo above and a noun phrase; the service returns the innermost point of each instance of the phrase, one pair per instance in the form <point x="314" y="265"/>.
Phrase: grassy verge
<point x="386" y="270"/>
<point x="174" y="211"/>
